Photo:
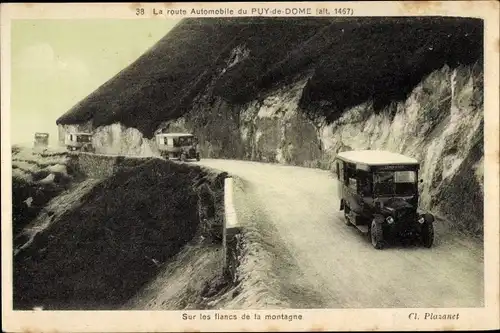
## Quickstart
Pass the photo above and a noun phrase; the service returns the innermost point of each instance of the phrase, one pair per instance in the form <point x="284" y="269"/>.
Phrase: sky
<point x="57" y="63"/>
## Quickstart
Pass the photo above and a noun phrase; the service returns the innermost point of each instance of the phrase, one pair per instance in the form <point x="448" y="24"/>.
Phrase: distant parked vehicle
<point x="41" y="140"/>
<point x="182" y="146"/>
<point x="79" y="142"/>
<point x="378" y="193"/>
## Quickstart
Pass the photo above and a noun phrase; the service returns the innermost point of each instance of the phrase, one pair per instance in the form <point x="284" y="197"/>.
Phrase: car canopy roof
<point x="375" y="158"/>
<point x="175" y="134"/>
<point x="81" y="133"/>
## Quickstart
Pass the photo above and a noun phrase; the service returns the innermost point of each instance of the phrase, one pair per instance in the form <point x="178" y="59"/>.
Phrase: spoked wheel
<point x="377" y="235"/>
<point x="346" y="216"/>
<point x="427" y="236"/>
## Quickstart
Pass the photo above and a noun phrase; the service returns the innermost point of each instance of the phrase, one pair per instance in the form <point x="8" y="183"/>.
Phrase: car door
<point x="339" y="170"/>
<point x="350" y="187"/>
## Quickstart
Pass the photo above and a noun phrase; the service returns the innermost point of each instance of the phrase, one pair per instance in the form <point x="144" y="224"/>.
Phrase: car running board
<point x="362" y="228"/>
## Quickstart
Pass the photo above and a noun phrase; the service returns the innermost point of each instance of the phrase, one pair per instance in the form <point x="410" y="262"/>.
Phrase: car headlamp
<point x="390" y="220"/>
<point x="421" y="220"/>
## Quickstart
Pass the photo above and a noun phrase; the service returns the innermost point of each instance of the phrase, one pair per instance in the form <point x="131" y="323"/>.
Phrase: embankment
<point x="120" y="234"/>
<point x="37" y="178"/>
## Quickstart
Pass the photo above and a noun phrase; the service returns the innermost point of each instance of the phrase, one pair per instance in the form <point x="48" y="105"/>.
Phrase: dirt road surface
<point x="332" y="265"/>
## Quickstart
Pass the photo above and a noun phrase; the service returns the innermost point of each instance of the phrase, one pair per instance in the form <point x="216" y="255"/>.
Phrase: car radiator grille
<point x="406" y="215"/>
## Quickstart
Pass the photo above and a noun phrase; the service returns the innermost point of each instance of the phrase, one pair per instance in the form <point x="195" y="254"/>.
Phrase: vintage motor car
<point x="182" y="146"/>
<point x="41" y="140"/>
<point x="378" y="193"/>
<point x="79" y="142"/>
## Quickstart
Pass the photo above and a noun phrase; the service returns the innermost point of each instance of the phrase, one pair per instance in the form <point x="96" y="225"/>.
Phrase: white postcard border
<point x="316" y="319"/>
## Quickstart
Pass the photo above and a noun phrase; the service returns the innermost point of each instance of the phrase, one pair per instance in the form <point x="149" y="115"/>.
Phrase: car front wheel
<point x="427" y="234"/>
<point x="346" y="216"/>
<point x="377" y="235"/>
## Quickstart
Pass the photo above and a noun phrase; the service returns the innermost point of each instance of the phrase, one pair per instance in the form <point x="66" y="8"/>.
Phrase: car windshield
<point x="392" y="183"/>
<point x="83" y="138"/>
<point x="41" y="138"/>
<point x="184" y="141"/>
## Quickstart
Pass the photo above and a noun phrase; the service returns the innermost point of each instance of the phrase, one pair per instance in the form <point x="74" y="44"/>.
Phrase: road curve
<point x="337" y="266"/>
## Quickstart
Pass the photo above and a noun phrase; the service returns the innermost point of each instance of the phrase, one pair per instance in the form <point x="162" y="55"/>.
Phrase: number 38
<point x="139" y="11"/>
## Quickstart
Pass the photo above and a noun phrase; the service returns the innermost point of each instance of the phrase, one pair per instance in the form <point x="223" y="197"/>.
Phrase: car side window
<point x="346" y="175"/>
<point x="364" y="182"/>
<point x="341" y="172"/>
<point x="353" y="184"/>
<point x="350" y="176"/>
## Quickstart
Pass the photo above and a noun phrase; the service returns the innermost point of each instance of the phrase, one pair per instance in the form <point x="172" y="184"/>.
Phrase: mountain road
<point x="334" y="264"/>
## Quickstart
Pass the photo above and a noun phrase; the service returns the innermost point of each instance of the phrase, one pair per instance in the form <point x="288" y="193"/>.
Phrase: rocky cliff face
<point x="418" y="91"/>
<point x="114" y="139"/>
<point x="440" y="124"/>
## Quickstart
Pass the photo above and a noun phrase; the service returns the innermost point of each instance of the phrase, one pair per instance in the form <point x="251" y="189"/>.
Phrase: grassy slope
<point x="101" y="253"/>
<point x="28" y="173"/>
<point x="352" y="60"/>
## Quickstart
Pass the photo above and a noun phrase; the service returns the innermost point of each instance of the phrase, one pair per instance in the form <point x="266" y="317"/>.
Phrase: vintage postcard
<point x="215" y="167"/>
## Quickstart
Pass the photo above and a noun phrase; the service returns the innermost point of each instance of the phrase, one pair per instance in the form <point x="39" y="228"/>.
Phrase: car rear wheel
<point x="427" y="235"/>
<point x="377" y="235"/>
<point x="346" y="216"/>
